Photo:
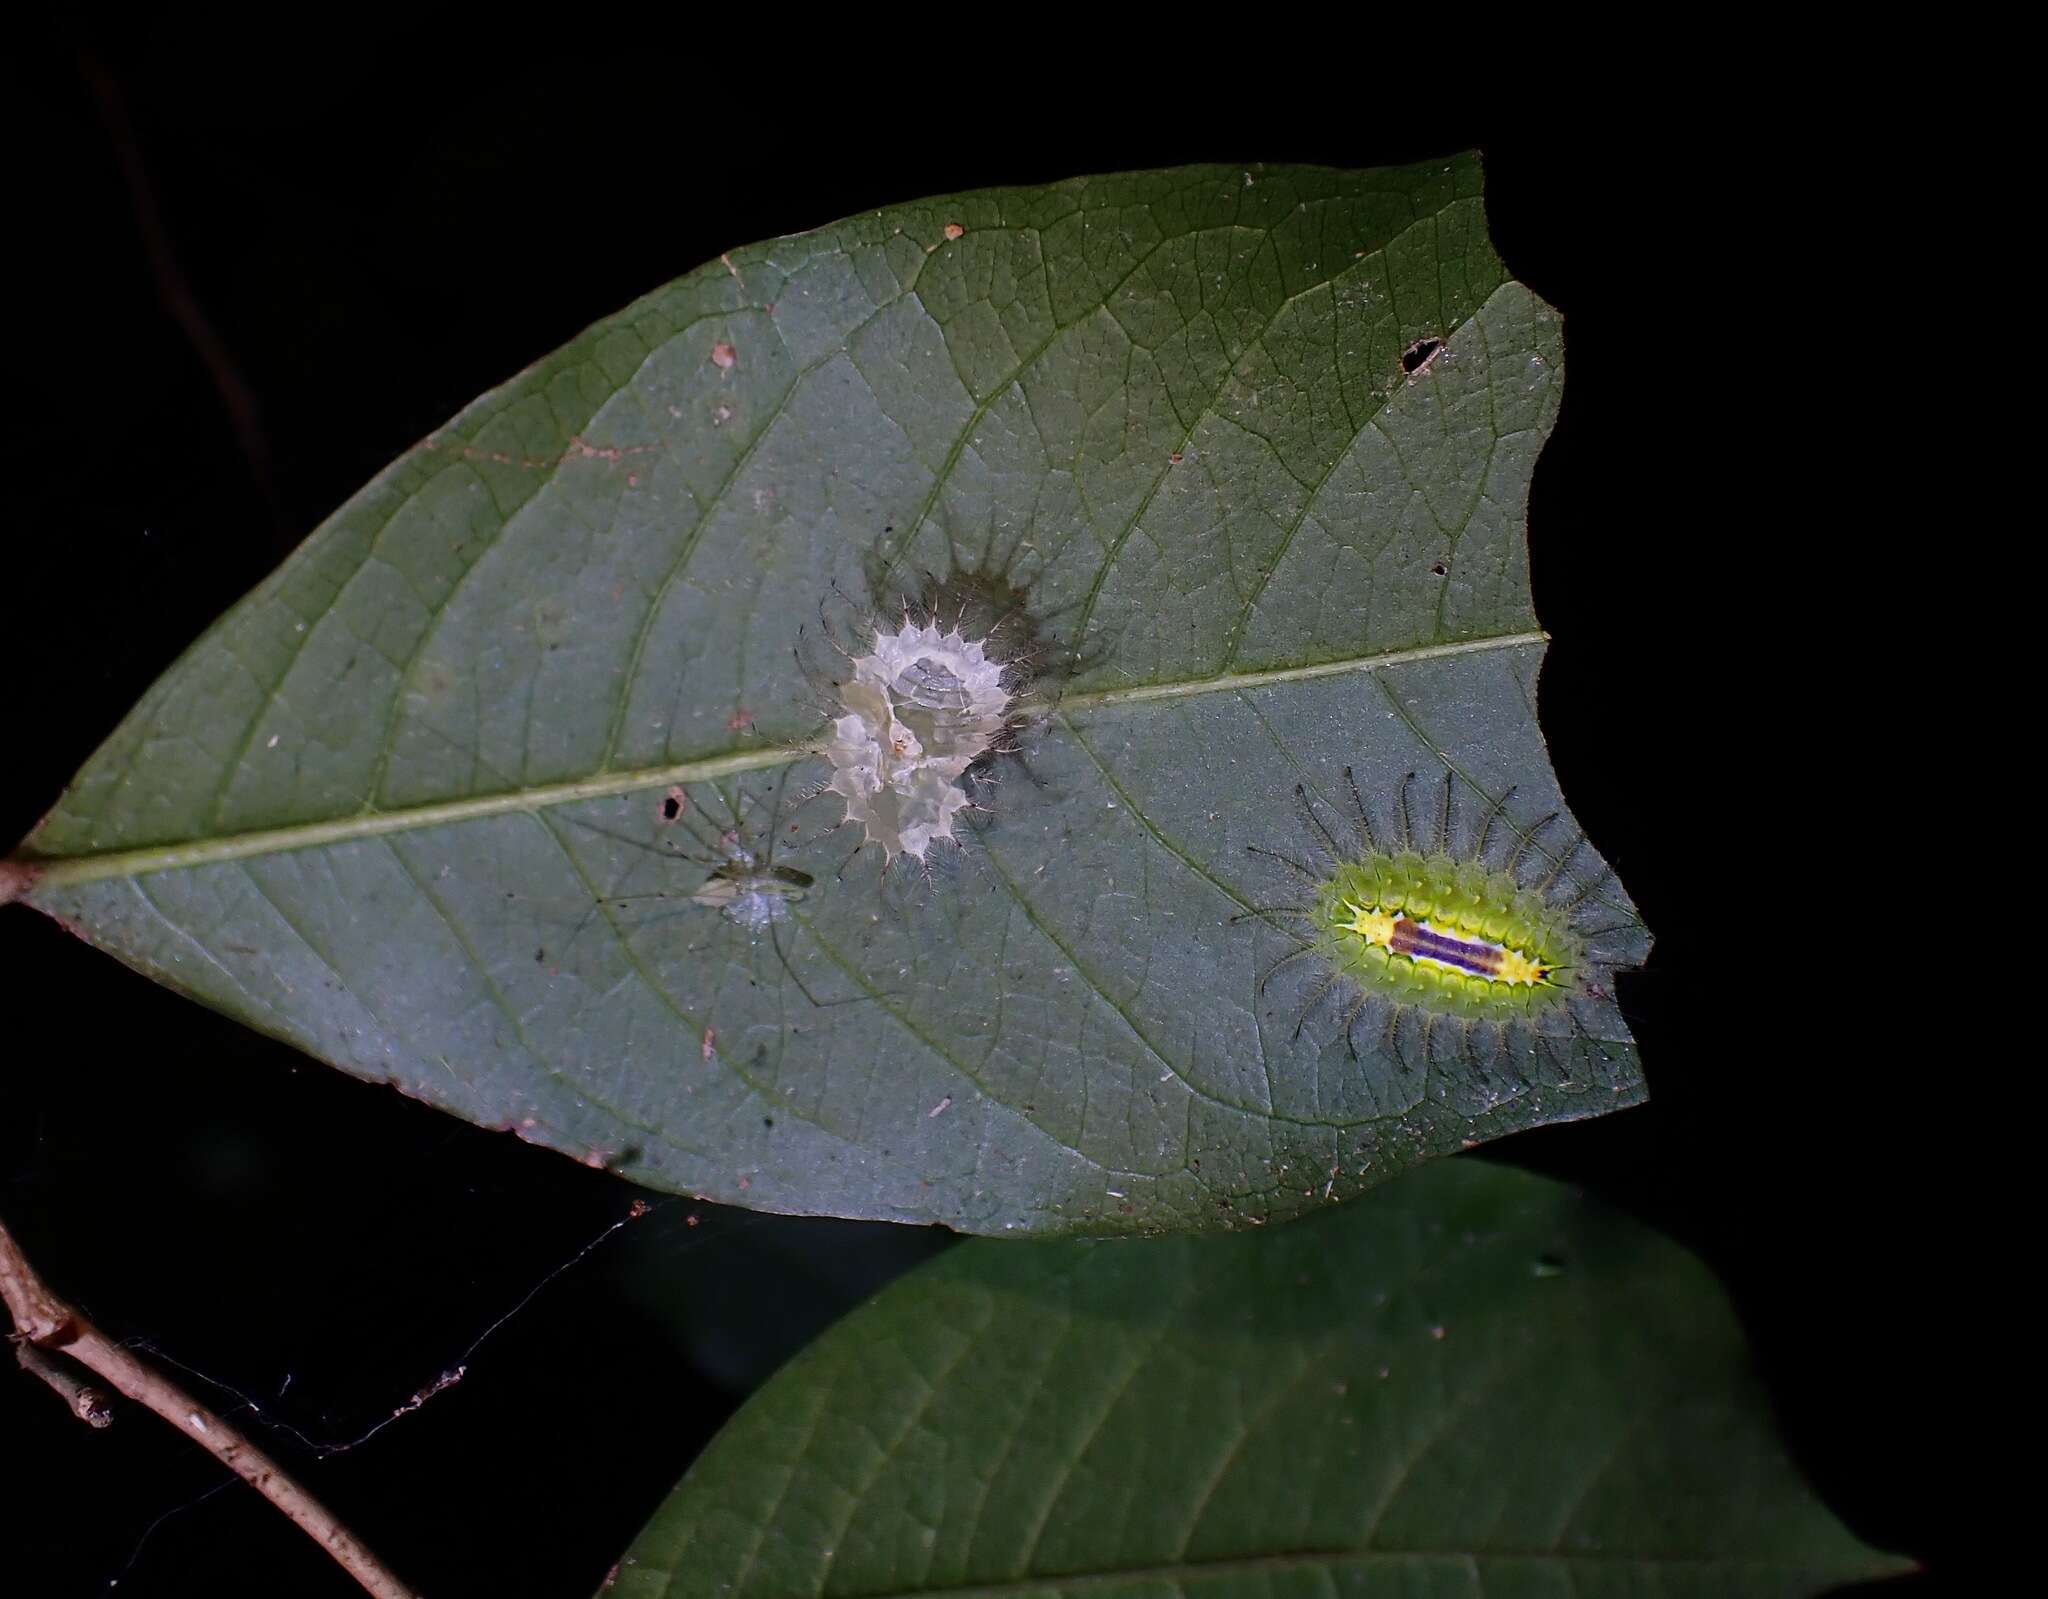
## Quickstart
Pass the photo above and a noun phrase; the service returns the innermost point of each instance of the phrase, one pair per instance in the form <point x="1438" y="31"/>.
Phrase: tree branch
<point x="44" y="1322"/>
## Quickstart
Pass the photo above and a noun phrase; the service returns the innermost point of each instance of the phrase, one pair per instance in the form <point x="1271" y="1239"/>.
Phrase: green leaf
<point x="1477" y="1382"/>
<point x="406" y="806"/>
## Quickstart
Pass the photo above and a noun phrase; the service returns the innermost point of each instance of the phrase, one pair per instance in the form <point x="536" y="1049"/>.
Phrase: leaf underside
<point x="1477" y="1385"/>
<point x="404" y="806"/>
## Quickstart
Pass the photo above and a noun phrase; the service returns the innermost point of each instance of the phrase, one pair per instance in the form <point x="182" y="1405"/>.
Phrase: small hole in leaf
<point x="1417" y="355"/>
<point x="1439" y="568"/>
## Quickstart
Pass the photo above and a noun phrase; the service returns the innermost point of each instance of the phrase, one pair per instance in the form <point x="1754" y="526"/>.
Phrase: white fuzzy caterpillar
<point x="921" y="706"/>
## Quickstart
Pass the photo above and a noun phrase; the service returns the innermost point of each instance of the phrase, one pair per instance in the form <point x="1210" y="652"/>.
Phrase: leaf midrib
<point x="72" y="870"/>
<point x="1180" y="1572"/>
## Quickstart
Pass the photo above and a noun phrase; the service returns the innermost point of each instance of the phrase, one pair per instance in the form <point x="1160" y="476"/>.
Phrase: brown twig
<point x="83" y="1400"/>
<point x="44" y="1322"/>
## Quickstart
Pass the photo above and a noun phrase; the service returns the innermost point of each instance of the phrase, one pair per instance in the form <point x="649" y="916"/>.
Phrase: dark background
<point x="253" y="287"/>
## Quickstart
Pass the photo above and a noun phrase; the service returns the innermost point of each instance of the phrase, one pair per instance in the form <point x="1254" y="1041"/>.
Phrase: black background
<point x="252" y="287"/>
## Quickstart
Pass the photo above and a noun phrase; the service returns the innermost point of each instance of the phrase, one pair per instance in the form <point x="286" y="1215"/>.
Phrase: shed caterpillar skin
<point x="919" y="709"/>
<point x="921" y="705"/>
